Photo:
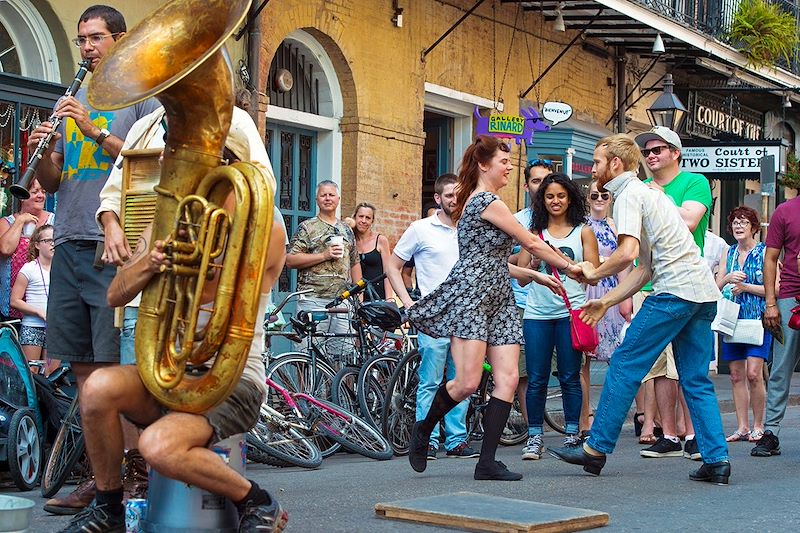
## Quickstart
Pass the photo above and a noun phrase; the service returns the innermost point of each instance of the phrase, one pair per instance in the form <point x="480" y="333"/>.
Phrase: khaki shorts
<point x="665" y="364"/>
<point x="523" y="370"/>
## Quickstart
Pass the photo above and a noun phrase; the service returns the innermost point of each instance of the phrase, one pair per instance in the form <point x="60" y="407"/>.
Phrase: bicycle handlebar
<point x="357" y="288"/>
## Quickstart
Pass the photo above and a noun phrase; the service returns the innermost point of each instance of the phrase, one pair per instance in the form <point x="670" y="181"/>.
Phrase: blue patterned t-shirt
<point x="750" y="305"/>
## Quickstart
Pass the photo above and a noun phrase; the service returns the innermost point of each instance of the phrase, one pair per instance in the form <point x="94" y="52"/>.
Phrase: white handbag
<point x="727" y="317"/>
<point x="748" y="331"/>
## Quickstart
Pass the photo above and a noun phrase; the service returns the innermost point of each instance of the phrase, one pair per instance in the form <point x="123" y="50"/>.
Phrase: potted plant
<point x="791" y="178"/>
<point x="764" y="33"/>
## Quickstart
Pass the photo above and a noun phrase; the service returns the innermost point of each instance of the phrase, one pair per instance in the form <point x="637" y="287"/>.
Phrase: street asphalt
<point x="639" y="494"/>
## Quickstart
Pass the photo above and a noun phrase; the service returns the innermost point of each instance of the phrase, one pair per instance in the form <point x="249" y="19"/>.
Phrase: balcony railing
<point x="714" y="17"/>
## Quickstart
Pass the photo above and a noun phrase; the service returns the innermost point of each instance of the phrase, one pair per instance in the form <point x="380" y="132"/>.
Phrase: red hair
<point x="480" y="152"/>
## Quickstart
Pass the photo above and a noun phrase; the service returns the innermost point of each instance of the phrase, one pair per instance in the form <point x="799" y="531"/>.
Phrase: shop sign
<point x="727" y="159"/>
<point x="520" y="128"/>
<point x="582" y="167"/>
<point x="556" y="112"/>
<point x="715" y="117"/>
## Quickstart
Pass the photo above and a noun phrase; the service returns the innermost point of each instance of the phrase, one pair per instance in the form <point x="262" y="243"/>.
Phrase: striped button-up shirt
<point x="666" y="246"/>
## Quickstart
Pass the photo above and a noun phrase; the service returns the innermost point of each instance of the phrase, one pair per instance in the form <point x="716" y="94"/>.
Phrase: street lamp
<point x="667" y="110"/>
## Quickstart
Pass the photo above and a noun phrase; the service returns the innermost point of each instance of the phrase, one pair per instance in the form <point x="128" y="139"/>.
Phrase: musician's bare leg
<point x="107" y="394"/>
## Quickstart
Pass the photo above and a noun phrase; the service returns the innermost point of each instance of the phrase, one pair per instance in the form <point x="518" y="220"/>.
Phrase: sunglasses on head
<point x="541" y="163"/>
<point x="655" y="149"/>
<point x="596" y="195"/>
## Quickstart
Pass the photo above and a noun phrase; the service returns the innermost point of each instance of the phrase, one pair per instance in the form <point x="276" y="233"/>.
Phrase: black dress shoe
<point x="495" y="471"/>
<point x="577" y="456"/>
<point x="713" y="473"/>
<point x="418" y="449"/>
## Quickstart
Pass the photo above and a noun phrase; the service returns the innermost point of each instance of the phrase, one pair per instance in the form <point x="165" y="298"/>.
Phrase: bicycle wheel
<point x="554" y="410"/>
<point x="343" y="391"/>
<point x="67" y="449"/>
<point x="516" y="430"/>
<point x="346" y="428"/>
<point x="400" y="405"/>
<point x="293" y="372"/>
<point x="373" y="381"/>
<point x="273" y="436"/>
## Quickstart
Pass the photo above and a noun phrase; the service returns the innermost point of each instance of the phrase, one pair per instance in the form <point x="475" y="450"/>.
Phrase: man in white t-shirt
<point x="536" y="171"/>
<point x="433" y="244"/>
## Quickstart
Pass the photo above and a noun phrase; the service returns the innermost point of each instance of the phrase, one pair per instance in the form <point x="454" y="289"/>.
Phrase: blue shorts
<point x="127" y="338"/>
<point x="740" y="352"/>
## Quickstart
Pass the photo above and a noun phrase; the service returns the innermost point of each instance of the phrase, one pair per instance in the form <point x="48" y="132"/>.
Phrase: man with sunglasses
<point x="80" y="324"/>
<point x="661" y="148"/>
<point x="536" y="171"/>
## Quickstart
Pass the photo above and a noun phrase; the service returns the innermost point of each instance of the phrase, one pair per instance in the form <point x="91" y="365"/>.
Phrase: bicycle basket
<point x="384" y="315"/>
<point x="342" y="350"/>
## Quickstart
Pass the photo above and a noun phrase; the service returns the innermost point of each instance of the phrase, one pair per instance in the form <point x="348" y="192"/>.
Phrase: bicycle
<point x="400" y="407"/>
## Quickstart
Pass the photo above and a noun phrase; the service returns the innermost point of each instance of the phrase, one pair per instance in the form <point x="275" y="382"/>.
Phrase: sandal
<point x="648" y="438"/>
<point x="638" y="424"/>
<point x="755" y="435"/>
<point x="738" y="436"/>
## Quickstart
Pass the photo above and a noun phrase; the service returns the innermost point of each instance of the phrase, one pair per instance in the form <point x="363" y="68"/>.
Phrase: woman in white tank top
<point x="559" y="213"/>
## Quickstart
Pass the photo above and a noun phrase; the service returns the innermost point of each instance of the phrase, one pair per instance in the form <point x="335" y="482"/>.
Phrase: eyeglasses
<point x="95" y="39"/>
<point x="655" y="149"/>
<point x="47" y="241"/>
<point x="740" y="223"/>
<point x="596" y="195"/>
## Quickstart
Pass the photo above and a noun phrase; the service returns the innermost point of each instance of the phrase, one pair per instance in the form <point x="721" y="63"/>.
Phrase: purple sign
<point x="520" y="128"/>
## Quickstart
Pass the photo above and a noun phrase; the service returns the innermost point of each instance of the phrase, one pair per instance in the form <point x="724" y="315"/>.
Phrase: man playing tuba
<point x="176" y="443"/>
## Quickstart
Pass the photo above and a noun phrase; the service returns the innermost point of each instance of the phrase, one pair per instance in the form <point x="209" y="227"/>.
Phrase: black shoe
<point x="432" y="451"/>
<point x="263" y="518"/>
<point x="462" y="451"/>
<point x="592" y="464"/>
<point x="663" y="448"/>
<point x="691" y="451"/>
<point x="767" y="445"/>
<point x="713" y="473"/>
<point x="418" y="449"/>
<point x="98" y="519"/>
<point x="495" y="471"/>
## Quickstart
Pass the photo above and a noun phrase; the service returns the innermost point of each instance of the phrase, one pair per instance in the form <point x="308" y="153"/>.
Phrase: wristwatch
<point x="104" y="133"/>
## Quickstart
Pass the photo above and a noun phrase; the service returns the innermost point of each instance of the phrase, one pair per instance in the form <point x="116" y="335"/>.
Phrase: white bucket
<point x="15" y="514"/>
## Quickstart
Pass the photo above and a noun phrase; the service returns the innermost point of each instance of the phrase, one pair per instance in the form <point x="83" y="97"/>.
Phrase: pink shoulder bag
<point x="584" y="337"/>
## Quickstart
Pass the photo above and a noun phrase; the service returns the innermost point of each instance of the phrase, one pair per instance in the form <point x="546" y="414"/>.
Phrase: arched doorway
<point x="26" y="45"/>
<point x="302" y="134"/>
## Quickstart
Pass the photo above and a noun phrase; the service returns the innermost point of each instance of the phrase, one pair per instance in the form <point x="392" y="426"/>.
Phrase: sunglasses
<point x="596" y="195"/>
<point x="655" y="150"/>
<point x="541" y="163"/>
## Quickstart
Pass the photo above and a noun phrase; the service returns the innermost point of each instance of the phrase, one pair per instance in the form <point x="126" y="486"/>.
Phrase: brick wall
<point x="382" y="78"/>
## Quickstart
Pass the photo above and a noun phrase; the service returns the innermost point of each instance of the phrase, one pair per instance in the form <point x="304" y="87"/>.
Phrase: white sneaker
<point x="534" y="448"/>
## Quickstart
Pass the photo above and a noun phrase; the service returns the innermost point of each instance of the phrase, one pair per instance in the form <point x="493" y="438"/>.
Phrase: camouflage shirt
<point x="328" y="278"/>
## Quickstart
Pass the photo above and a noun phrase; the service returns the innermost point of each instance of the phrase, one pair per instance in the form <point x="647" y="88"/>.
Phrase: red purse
<point x="584" y="336"/>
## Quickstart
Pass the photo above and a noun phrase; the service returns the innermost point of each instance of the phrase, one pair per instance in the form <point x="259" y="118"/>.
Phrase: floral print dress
<point x="475" y="301"/>
<point x="610" y="326"/>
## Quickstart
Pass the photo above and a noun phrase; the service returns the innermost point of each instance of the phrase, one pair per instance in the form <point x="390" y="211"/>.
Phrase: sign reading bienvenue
<point x="725" y="159"/>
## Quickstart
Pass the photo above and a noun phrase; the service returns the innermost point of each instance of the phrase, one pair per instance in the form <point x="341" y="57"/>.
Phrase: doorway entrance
<point x="436" y="155"/>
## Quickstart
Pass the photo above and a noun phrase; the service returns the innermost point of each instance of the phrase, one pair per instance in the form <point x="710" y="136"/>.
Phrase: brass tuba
<point x="177" y="54"/>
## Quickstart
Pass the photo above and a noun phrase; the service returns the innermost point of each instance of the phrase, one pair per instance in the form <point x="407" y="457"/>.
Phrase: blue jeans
<point x="435" y="355"/>
<point x="540" y="338"/>
<point x="127" y="337"/>
<point x="664" y="318"/>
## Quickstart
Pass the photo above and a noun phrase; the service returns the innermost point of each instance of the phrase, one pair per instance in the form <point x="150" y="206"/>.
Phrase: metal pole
<point x="453" y="27"/>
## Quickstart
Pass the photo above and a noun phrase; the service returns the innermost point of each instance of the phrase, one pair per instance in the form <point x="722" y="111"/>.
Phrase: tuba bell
<point x="177" y="55"/>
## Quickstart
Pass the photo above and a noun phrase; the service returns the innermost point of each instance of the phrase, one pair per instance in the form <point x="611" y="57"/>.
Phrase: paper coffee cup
<point x="336" y="240"/>
<point x="28" y="229"/>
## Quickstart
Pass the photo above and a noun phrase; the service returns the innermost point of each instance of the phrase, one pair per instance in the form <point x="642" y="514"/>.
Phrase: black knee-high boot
<point x="494" y="420"/>
<point x="421" y="434"/>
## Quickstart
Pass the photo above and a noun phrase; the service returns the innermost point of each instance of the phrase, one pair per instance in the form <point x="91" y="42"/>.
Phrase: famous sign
<point x="726" y="159"/>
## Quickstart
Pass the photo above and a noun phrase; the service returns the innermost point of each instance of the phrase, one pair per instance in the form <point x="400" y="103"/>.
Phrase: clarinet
<point x="20" y="189"/>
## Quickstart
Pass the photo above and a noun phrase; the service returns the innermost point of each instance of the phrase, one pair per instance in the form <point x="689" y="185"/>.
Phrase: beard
<point x="447" y="210"/>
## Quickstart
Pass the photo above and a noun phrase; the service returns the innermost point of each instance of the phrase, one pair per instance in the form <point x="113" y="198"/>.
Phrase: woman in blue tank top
<point x="560" y="211"/>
